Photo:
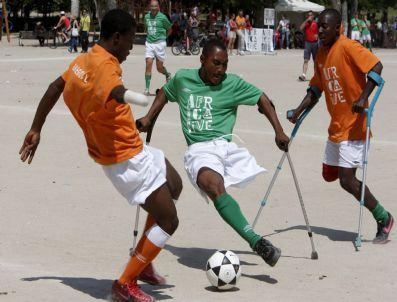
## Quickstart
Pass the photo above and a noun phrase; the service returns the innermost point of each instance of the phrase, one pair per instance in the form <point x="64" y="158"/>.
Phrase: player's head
<point x="329" y="23"/>
<point x="118" y="33"/>
<point x="214" y="62"/>
<point x="154" y="7"/>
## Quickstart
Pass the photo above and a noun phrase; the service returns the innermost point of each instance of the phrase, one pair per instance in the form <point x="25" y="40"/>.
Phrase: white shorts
<point x="155" y="50"/>
<point x="366" y="37"/>
<point x="356" y="35"/>
<point x="236" y="165"/>
<point x="137" y="177"/>
<point x="231" y="35"/>
<point x="346" y="154"/>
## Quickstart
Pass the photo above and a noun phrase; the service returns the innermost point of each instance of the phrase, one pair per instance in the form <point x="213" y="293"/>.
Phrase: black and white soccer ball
<point x="223" y="269"/>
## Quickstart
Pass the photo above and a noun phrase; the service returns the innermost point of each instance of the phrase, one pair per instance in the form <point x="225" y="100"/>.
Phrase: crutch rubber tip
<point x="314" y="255"/>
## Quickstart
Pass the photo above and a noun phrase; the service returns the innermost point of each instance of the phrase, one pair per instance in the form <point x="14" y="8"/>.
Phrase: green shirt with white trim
<point x="209" y="112"/>
<point x="156" y="27"/>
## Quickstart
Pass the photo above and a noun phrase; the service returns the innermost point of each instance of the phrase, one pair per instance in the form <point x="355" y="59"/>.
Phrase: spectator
<point x="248" y="24"/>
<point x="212" y="18"/>
<point x="193" y="26"/>
<point x="174" y="16"/>
<point x="85" y="23"/>
<point x="40" y="32"/>
<point x="75" y="28"/>
<point x="283" y="28"/>
<point x="240" y="21"/>
<point x="310" y="28"/>
<point x="232" y="33"/>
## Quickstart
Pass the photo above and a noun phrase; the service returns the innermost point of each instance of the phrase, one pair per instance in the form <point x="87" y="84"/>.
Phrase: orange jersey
<point x="108" y="125"/>
<point x="240" y="21"/>
<point x="340" y="72"/>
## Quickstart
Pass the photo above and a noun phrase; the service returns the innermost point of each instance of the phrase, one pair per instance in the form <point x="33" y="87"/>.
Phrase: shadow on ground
<point x="332" y="234"/>
<point x="100" y="288"/>
<point x="196" y="258"/>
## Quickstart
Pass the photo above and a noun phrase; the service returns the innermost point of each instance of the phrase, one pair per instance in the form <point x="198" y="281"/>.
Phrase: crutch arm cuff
<point x="315" y="90"/>
<point x="372" y="75"/>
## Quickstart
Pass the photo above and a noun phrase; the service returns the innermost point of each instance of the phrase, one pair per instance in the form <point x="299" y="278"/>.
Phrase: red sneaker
<point x="150" y="276"/>
<point x="129" y="292"/>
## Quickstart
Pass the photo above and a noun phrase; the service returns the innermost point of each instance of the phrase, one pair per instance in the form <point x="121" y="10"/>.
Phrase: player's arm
<point x="267" y="108"/>
<point x="123" y="96"/>
<point x="309" y="101"/>
<point x="47" y="102"/>
<point x="145" y="123"/>
<point x="358" y="106"/>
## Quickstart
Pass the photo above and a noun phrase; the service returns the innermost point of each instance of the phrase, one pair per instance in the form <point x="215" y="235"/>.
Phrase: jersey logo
<point x="199" y="113"/>
<point x="80" y="73"/>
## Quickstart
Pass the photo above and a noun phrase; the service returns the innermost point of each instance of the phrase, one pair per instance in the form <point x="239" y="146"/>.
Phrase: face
<point x="154" y="7"/>
<point x="328" y="30"/>
<point x="84" y="12"/>
<point x="310" y="16"/>
<point x="123" y="43"/>
<point x="214" y="66"/>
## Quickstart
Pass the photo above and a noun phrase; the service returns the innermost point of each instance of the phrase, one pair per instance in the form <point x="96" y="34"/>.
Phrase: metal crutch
<point x="138" y="207"/>
<point x="314" y="254"/>
<point x="369" y="111"/>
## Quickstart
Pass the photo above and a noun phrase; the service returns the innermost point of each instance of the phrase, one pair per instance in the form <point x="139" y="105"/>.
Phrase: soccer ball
<point x="223" y="269"/>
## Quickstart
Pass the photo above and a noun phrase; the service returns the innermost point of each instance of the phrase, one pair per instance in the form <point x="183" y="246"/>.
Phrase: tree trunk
<point x="337" y="5"/>
<point x="75" y="8"/>
<point x="102" y="6"/>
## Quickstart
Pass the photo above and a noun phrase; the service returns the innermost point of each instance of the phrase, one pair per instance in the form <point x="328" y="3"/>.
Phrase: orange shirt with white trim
<point x="108" y="125"/>
<point x="340" y="72"/>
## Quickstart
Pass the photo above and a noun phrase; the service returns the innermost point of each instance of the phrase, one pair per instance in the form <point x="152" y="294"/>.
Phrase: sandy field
<point x="65" y="232"/>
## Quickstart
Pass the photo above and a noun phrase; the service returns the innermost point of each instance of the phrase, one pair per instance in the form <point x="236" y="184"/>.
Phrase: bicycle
<point x="180" y="47"/>
<point x="56" y="38"/>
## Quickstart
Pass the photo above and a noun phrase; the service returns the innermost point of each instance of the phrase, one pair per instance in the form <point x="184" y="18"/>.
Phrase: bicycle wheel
<point x="176" y="48"/>
<point x="195" y="49"/>
<point x="53" y="43"/>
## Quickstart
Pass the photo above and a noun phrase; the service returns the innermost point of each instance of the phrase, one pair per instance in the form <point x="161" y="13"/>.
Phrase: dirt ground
<point x="65" y="232"/>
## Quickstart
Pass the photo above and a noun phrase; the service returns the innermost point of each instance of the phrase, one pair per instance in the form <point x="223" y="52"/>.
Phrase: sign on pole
<point x="269" y="17"/>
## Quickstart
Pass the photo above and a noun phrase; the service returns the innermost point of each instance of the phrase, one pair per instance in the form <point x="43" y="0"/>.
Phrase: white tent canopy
<point x="297" y="6"/>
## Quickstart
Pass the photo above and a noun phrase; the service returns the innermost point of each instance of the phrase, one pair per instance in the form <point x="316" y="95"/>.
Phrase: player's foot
<point x="150" y="276"/>
<point x="146" y="92"/>
<point x="129" y="292"/>
<point x="168" y="76"/>
<point x="267" y="251"/>
<point x="384" y="229"/>
<point x="302" y="77"/>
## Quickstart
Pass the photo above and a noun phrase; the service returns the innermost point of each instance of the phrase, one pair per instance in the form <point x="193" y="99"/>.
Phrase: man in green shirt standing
<point x="365" y="33"/>
<point x="85" y="23"/>
<point x="355" y="25"/>
<point x="208" y="99"/>
<point x="157" y="28"/>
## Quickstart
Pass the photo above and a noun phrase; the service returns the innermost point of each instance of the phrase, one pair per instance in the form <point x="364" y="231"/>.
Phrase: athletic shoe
<point x="168" y="76"/>
<point x="146" y="92"/>
<point x="267" y="251"/>
<point x="384" y="229"/>
<point x="302" y="77"/>
<point x="129" y="292"/>
<point x="150" y="276"/>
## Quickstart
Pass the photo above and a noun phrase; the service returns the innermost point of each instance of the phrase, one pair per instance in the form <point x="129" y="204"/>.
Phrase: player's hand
<point x="282" y="141"/>
<point x="358" y="107"/>
<point x="292" y="115"/>
<point x="143" y="124"/>
<point x="29" y="146"/>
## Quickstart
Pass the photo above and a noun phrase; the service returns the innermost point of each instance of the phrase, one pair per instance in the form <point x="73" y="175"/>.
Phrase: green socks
<point x="148" y="77"/>
<point x="379" y="213"/>
<point x="230" y="211"/>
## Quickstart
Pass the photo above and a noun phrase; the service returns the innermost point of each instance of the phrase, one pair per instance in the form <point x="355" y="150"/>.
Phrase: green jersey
<point x="364" y="27"/>
<point x="208" y="112"/>
<point x="156" y="27"/>
<point x="354" y="24"/>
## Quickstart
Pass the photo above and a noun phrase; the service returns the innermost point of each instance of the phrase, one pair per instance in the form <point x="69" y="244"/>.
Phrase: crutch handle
<point x="380" y="82"/>
<point x="300" y="119"/>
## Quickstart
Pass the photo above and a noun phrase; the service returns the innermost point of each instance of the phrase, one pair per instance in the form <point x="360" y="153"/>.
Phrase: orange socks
<point x="145" y="252"/>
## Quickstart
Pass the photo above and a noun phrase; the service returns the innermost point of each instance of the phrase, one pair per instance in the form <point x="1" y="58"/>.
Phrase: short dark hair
<point x="116" y="20"/>
<point x="211" y="44"/>
<point x="334" y="14"/>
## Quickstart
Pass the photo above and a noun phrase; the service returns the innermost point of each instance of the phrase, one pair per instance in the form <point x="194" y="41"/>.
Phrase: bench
<point x="31" y="35"/>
